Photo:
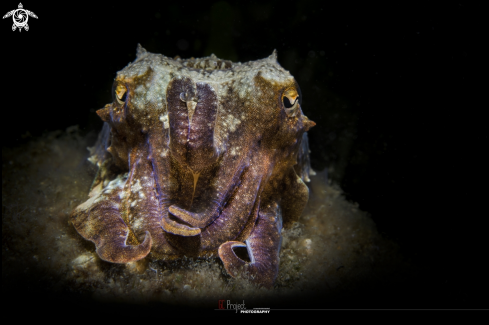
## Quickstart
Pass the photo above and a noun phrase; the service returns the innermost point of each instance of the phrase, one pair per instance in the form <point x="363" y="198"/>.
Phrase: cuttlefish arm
<point x="227" y="181"/>
<point x="263" y="246"/>
<point x="100" y="221"/>
<point x="192" y="111"/>
<point x="160" y="160"/>
<point x="124" y="219"/>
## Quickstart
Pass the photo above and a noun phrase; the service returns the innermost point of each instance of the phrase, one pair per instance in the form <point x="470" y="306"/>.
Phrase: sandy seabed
<point x="334" y="254"/>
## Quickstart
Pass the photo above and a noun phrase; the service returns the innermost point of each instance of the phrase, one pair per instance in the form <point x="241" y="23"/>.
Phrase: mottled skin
<point x="198" y="157"/>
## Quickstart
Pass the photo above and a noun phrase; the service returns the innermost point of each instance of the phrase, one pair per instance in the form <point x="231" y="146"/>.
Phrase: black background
<point x="408" y="130"/>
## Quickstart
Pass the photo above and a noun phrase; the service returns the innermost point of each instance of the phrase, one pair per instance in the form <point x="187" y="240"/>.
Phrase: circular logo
<point x="20" y="17"/>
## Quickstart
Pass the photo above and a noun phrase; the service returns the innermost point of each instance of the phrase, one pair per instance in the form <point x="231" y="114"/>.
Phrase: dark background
<point x="392" y="89"/>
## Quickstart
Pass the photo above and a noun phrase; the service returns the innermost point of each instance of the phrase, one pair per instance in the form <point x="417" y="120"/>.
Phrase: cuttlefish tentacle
<point x="241" y="209"/>
<point x="160" y="160"/>
<point x="192" y="113"/>
<point x="142" y="204"/>
<point x="216" y="197"/>
<point x="263" y="246"/>
<point x="99" y="221"/>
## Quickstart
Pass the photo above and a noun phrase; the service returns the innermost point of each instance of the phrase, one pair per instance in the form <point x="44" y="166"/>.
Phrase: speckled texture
<point x="333" y="249"/>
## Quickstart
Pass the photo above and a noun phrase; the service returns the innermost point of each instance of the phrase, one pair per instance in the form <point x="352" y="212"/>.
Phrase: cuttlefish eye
<point x="120" y="93"/>
<point x="291" y="100"/>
